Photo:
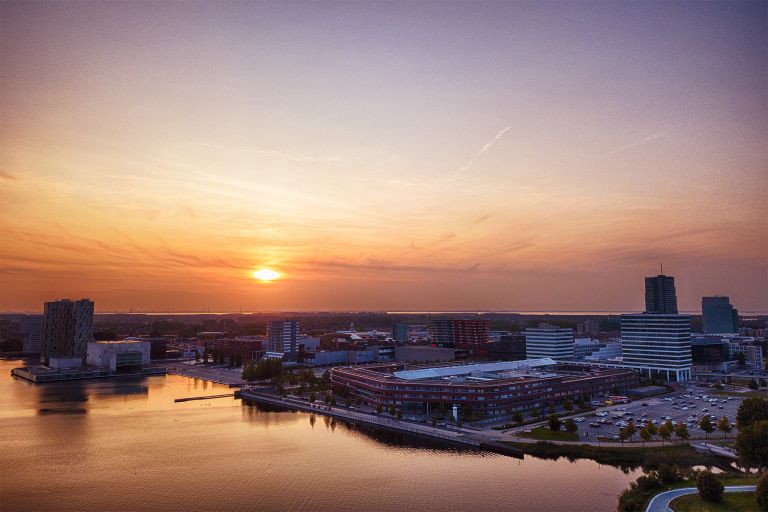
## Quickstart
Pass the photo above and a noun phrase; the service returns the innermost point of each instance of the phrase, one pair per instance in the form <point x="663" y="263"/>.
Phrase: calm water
<point x="124" y="445"/>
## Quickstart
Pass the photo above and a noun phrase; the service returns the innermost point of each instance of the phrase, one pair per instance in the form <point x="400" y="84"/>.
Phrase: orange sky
<point x="508" y="157"/>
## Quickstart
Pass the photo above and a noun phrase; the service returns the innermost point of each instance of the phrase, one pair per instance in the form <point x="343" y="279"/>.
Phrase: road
<point x="660" y="502"/>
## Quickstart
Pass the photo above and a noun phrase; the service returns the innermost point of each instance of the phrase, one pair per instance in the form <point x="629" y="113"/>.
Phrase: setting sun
<point x="266" y="274"/>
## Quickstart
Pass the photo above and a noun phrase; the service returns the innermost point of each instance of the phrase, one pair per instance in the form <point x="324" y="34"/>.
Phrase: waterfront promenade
<point x="660" y="502"/>
<point x="458" y="436"/>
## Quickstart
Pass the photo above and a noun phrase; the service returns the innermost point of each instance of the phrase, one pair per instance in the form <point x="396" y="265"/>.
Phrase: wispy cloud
<point x="7" y="176"/>
<point x="272" y="153"/>
<point x="480" y="153"/>
<point x="631" y="145"/>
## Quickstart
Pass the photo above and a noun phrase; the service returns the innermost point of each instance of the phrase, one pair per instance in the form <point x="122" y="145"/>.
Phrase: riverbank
<point x="458" y="436"/>
<point x="682" y="454"/>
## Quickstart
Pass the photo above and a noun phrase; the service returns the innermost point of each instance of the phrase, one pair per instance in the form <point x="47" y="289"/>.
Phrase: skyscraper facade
<point x="719" y="316"/>
<point x="660" y="296"/>
<point x="658" y="345"/>
<point x="67" y="329"/>
<point x="32" y="334"/>
<point x="547" y="340"/>
<point x="282" y="335"/>
<point x="400" y="332"/>
<point x="460" y="332"/>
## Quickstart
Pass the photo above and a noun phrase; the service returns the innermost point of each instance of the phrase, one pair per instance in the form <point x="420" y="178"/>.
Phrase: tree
<point x="312" y="396"/>
<point x="568" y="405"/>
<point x="681" y="431"/>
<point x="434" y="421"/>
<point x="551" y="409"/>
<point x="724" y="426"/>
<point x="399" y="415"/>
<point x="197" y="356"/>
<point x="623" y="434"/>
<point x="753" y="384"/>
<point x="535" y="413"/>
<point x="517" y="417"/>
<point x="665" y="431"/>
<point x="571" y="426"/>
<point x="645" y="435"/>
<point x="741" y="359"/>
<point x="750" y="411"/>
<point x="710" y="487"/>
<point x="554" y="423"/>
<point x="752" y="445"/>
<point x="652" y="429"/>
<point x="706" y="425"/>
<point x="762" y="492"/>
<point x="379" y="408"/>
<point x="630" y="429"/>
<point x="248" y="372"/>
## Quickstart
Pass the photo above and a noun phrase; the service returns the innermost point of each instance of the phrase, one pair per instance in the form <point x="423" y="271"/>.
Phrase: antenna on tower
<point x="661" y="269"/>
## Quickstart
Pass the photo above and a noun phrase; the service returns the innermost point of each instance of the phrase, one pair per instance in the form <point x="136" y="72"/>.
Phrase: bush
<point x="669" y="474"/>
<point x="762" y="492"/>
<point x="554" y="423"/>
<point x="633" y="499"/>
<point x="709" y="486"/>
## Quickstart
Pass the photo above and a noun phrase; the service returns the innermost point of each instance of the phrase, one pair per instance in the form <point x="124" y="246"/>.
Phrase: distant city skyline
<point x="536" y="156"/>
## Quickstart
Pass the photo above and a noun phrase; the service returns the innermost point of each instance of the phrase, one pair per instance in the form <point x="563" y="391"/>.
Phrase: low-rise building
<point x="583" y="347"/>
<point x="417" y="354"/>
<point x="121" y="356"/>
<point x="492" y="389"/>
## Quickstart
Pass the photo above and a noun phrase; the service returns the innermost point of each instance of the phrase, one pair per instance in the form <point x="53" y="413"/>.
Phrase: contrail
<point x="480" y="153"/>
<point x="649" y="138"/>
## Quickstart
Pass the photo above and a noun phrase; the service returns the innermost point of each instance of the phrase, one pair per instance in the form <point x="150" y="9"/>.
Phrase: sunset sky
<point x="380" y="156"/>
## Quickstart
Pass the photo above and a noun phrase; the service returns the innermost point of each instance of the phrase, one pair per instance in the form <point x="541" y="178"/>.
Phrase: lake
<point x="124" y="445"/>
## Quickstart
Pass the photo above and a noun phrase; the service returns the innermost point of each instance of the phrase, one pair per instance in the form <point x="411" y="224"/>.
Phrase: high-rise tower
<point x="660" y="296"/>
<point x="67" y="329"/>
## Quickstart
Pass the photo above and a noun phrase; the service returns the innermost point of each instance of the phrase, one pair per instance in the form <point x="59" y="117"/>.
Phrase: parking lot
<point x="683" y="407"/>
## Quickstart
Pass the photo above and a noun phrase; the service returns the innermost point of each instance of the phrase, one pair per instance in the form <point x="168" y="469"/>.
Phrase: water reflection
<point x="135" y="449"/>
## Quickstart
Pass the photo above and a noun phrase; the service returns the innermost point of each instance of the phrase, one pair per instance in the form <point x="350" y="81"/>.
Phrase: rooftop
<point x="469" y="369"/>
<point x="120" y="342"/>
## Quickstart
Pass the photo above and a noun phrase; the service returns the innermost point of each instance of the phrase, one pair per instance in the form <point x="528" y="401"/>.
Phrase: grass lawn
<point x="544" y="434"/>
<point x="736" y="394"/>
<point x="732" y="502"/>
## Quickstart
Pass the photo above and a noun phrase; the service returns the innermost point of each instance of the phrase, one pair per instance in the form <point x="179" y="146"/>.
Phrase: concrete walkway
<point x="660" y="502"/>
<point x="454" y="435"/>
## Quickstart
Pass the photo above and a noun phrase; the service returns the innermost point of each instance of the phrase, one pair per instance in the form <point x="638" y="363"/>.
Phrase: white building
<point x="122" y="356"/>
<point x="611" y="350"/>
<point x="753" y="354"/>
<point x="549" y="341"/>
<point x="659" y="345"/>
<point x="583" y="347"/>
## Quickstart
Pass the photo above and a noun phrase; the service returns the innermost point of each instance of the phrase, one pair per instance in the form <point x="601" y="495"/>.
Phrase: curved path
<point x="660" y="502"/>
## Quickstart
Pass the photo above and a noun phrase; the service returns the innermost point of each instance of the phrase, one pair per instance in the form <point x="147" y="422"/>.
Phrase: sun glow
<point x="266" y="274"/>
